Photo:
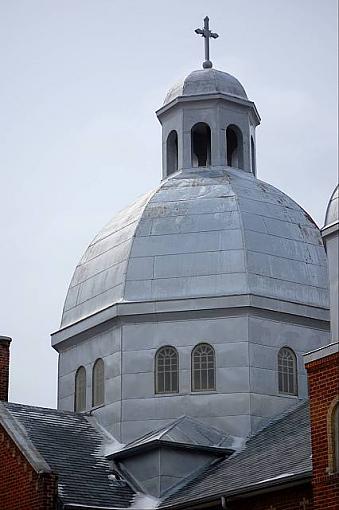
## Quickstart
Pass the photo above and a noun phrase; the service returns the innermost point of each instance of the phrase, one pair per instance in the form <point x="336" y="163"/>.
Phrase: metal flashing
<point x="148" y="309"/>
<point x="322" y="352"/>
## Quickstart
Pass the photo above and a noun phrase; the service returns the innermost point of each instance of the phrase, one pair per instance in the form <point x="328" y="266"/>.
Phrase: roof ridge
<point x="53" y="409"/>
<point x="207" y="426"/>
<point x="173" y="424"/>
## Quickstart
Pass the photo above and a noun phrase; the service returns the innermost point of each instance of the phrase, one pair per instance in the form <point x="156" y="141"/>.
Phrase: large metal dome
<point x="202" y="233"/>
<point x="206" y="81"/>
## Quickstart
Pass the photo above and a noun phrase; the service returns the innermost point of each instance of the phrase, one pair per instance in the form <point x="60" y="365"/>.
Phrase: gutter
<point x="245" y="492"/>
<point x="75" y="506"/>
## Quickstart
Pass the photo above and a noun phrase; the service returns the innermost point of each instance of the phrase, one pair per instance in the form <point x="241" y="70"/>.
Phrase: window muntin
<point x="172" y="152"/>
<point x="201" y="144"/>
<point x="203" y="368"/>
<point x="167" y="370"/>
<point x="287" y="372"/>
<point x="98" y="383"/>
<point x="80" y="390"/>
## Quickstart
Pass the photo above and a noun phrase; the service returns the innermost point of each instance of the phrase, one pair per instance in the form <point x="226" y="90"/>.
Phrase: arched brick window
<point x="167" y="370"/>
<point x="203" y="368"/>
<point x="333" y="436"/>
<point x="98" y="383"/>
<point x="80" y="390"/>
<point x="287" y="372"/>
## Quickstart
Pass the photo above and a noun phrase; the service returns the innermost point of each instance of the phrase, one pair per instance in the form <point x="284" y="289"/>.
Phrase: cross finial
<point x="207" y="34"/>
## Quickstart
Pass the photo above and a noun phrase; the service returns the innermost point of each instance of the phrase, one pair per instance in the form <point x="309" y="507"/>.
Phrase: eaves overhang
<point x="244" y="302"/>
<point x="160" y="443"/>
<point x="208" y="97"/>
<point x="264" y="487"/>
<point x="330" y="229"/>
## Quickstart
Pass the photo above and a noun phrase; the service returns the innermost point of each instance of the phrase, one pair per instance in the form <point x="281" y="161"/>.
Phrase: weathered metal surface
<point x="155" y="461"/>
<point x="203" y="233"/>
<point x="186" y="430"/>
<point x="206" y="81"/>
<point x="246" y="349"/>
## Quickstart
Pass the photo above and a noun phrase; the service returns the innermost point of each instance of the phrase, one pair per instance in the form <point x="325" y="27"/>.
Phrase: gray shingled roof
<point x="73" y="449"/>
<point x="281" y="450"/>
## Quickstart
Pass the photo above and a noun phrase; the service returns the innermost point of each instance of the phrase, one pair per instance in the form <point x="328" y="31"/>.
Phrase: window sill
<point x="157" y="395"/>
<point x="203" y="392"/>
<point x="286" y="395"/>
<point x="207" y="392"/>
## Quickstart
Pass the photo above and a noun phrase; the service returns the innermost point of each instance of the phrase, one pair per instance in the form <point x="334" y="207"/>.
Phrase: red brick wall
<point x="323" y="381"/>
<point x="4" y="367"/>
<point x="21" y="488"/>
<point x="294" y="498"/>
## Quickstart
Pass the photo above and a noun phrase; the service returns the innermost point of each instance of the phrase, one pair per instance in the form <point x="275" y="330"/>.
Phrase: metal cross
<point x="207" y="34"/>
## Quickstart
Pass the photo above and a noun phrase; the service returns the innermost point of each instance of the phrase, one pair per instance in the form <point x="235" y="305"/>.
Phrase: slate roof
<point x="280" y="451"/>
<point x="72" y="447"/>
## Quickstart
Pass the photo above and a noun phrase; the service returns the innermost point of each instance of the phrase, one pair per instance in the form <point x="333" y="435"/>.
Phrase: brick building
<point x="185" y="335"/>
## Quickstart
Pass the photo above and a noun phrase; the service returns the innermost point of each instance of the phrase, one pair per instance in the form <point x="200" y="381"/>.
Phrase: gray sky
<point x="80" y="81"/>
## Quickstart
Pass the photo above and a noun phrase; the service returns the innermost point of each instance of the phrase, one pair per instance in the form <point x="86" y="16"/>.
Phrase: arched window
<point x="234" y="147"/>
<point x="203" y="368"/>
<point x="98" y="383"/>
<point x="333" y="436"/>
<point x="166" y="370"/>
<point x="172" y="152"/>
<point x="80" y="390"/>
<point x="287" y="372"/>
<point x="201" y="144"/>
<point x="253" y="156"/>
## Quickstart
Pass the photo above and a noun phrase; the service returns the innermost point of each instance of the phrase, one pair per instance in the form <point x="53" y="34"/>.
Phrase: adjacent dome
<point x="202" y="233"/>
<point x="206" y="81"/>
<point x="332" y="213"/>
